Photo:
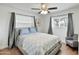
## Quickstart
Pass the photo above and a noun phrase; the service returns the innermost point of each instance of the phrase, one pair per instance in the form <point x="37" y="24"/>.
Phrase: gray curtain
<point x="11" y="36"/>
<point x="70" y="29"/>
<point x="35" y="24"/>
<point x="50" y="27"/>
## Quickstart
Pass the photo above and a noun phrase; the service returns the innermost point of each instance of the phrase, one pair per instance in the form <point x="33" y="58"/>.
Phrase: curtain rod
<point x="60" y="15"/>
<point x="24" y="15"/>
<point x="21" y="14"/>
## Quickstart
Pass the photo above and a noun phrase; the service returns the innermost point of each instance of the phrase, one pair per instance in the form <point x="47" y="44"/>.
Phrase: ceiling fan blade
<point x="52" y="8"/>
<point x="35" y="8"/>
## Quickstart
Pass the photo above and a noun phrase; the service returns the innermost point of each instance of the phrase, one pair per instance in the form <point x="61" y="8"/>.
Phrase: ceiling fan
<point x="44" y="9"/>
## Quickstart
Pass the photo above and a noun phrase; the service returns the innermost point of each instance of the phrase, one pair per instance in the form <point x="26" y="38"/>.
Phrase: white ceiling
<point x="28" y="6"/>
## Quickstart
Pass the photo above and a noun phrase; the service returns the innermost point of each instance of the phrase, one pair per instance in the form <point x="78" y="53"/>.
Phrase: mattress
<point x="37" y="43"/>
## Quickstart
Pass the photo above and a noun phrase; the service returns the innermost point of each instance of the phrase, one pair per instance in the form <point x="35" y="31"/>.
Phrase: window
<point x="59" y="26"/>
<point x="59" y="22"/>
<point x="24" y="21"/>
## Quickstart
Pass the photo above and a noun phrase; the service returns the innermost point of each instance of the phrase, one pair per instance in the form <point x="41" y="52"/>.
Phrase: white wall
<point x="45" y="19"/>
<point x="4" y="23"/>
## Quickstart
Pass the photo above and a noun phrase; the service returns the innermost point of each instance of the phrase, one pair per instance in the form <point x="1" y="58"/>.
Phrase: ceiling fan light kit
<point x="44" y="12"/>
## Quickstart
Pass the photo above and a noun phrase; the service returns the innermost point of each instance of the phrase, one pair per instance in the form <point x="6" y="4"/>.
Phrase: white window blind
<point x="24" y="21"/>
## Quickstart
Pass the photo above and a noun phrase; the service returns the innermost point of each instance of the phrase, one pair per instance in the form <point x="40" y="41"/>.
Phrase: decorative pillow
<point x="32" y="29"/>
<point x="24" y="31"/>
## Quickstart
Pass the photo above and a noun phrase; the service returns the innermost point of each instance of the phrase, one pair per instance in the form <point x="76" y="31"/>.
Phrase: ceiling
<point x="28" y="6"/>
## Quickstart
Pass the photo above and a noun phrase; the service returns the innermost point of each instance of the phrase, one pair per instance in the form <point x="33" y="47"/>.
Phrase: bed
<point x="30" y="41"/>
<point x="38" y="44"/>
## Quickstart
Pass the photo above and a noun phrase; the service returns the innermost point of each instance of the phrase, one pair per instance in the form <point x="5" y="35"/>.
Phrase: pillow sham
<point x="32" y="30"/>
<point x="24" y="31"/>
